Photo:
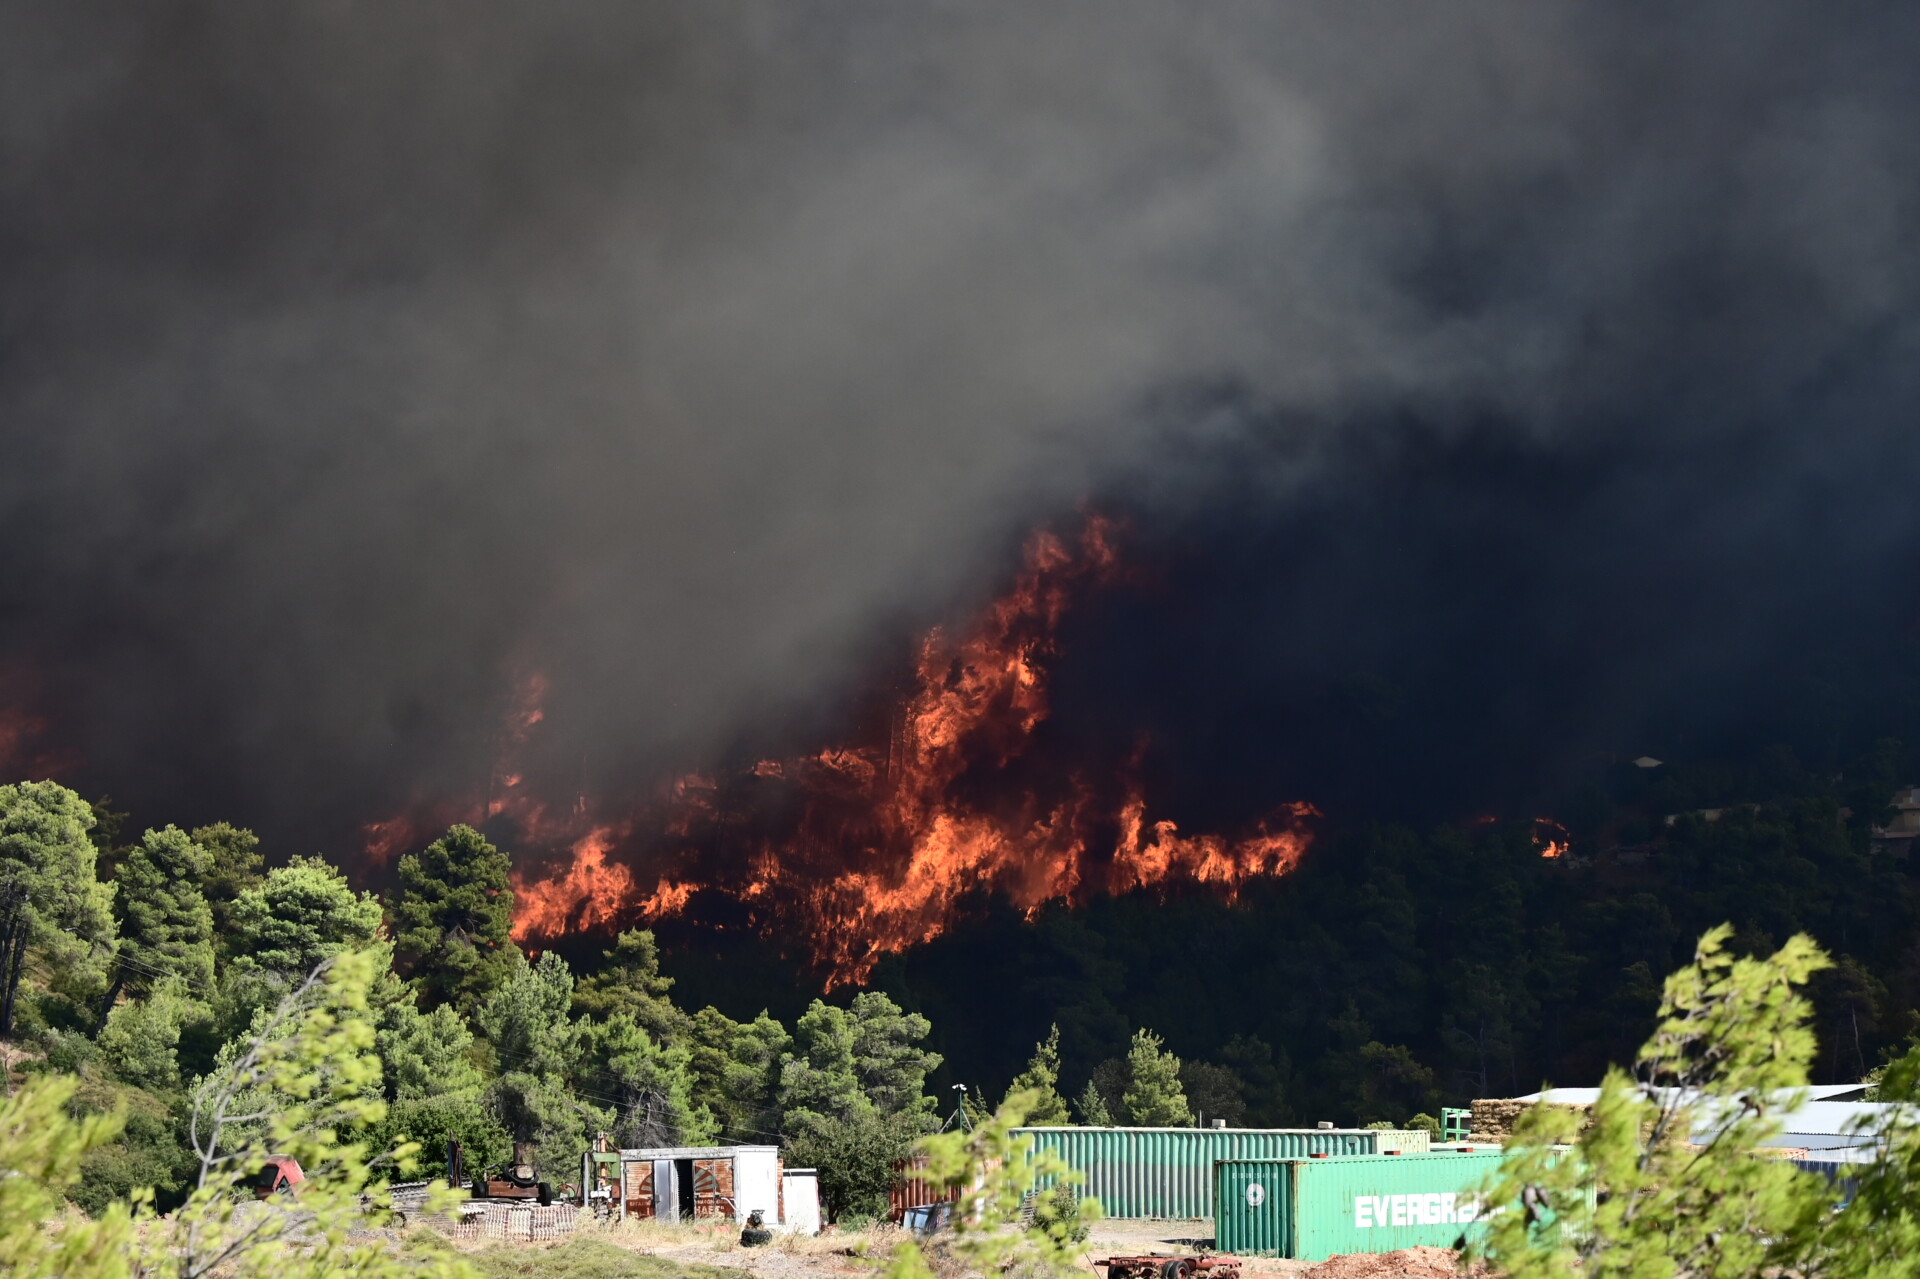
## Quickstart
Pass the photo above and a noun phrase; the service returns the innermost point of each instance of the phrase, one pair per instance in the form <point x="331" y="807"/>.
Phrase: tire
<point x="544" y="1193"/>
<point x="1176" y="1268"/>
<point x="755" y="1238"/>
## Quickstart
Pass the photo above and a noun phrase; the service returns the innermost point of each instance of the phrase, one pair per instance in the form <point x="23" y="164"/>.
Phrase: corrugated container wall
<point x="908" y="1191"/>
<point x="1168" y="1172"/>
<point x="1312" y="1209"/>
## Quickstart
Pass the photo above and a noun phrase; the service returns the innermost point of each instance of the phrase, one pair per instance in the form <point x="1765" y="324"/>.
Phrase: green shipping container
<point x="1312" y="1209"/>
<point x="1168" y="1172"/>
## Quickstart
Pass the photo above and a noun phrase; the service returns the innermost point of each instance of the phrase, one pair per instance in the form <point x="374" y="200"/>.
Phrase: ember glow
<point x="25" y="751"/>
<point x="1551" y="838"/>
<point x="867" y="848"/>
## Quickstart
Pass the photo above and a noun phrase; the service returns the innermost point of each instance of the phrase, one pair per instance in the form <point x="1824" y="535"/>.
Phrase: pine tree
<point x="297" y="916"/>
<point x="819" y="1079"/>
<point x="630" y="982"/>
<point x="848" y="1062"/>
<point x="424" y="1054"/>
<point x="527" y="1021"/>
<point x="1214" y="1092"/>
<point x="736" y="1072"/>
<point x="892" y="1068"/>
<point x="141" y="1040"/>
<point x="1093" y="1107"/>
<point x="166" y="925"/>
<point x="236" y="867"/>
<point x="454" y="917"/>
<point x="1041" y="1081"/>
<point x="50" y="893"/>
<point x="1154" y="1097"/>
<point x="652" y="1082"/>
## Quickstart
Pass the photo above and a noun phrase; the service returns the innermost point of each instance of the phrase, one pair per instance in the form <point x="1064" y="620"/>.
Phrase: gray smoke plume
<point x="358" y="358"/>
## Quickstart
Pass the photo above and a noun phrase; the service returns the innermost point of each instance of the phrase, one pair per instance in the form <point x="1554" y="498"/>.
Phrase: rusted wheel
<point x="1176" y="1268"/>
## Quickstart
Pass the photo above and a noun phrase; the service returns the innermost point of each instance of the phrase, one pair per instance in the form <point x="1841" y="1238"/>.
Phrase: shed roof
<point x="695" y="1152"/>
<point x="1816" y="1093"/>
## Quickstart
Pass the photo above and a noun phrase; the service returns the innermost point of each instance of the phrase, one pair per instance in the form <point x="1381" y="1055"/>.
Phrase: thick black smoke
<point x="358" y="358"/>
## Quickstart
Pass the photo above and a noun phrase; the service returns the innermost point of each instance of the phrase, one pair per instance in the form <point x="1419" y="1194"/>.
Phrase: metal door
<point x="666" y="1191"/>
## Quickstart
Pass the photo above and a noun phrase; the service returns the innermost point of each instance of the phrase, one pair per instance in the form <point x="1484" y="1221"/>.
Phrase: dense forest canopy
<point x="1395" y="971"/>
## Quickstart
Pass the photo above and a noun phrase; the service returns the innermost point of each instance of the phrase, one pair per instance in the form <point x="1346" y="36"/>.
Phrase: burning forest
<point x="863" y="848"/>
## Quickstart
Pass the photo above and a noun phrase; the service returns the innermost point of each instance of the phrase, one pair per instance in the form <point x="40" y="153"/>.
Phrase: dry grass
<point x="583" y="1257"/>
<point x="652" y="1249"/>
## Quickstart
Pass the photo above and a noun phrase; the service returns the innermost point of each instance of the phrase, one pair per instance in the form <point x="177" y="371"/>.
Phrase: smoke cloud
<point x="358" y="359"/>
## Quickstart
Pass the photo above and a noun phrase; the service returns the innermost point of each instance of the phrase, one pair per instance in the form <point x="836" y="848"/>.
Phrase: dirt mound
<point x="1407" y="1263"/>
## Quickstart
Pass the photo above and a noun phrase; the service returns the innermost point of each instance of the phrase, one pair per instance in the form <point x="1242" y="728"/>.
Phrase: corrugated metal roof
<point x="691" y="1152"/>
<point x="1587" y="1096"/>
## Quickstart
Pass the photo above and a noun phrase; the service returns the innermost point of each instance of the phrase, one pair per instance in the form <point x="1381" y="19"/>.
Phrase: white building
<point x="703" y="1182"/>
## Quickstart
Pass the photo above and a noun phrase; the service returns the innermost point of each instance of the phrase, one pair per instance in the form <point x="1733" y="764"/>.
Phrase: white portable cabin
<point x="702" y="1182"/>
<point x="800" y="1200"/>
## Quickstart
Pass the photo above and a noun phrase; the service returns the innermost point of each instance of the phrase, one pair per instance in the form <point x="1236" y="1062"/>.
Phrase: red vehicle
<point x="279" y="1175"/>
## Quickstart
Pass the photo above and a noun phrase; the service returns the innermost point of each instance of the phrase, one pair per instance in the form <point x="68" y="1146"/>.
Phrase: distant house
<point x="1897" y="836"/>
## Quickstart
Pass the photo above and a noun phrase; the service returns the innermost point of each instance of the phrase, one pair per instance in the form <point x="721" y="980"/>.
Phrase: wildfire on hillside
<point x="864" y="849"/>
<point x="1551" y="838"/>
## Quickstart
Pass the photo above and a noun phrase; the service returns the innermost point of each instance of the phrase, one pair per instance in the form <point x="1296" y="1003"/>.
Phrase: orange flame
<point x="889" y="841"/>
<point x="591" y="894"/>
<point x="1551" y="838"/>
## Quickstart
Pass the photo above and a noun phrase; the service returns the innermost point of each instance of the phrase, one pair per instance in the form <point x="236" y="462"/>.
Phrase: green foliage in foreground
<point x="1663" y="1179"/>
<point x="304" y="1085"/>
<point x="997" y="1175"/>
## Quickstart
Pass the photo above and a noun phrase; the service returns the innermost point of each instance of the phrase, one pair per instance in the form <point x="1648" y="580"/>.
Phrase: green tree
<point x="142" y="1037"/>
<point x="44" y="1150"/>
<point x="1214" y="1092"/>
<point x="1093" y="1107"/>
<point x="892" y="1069"/>
<point x="236" y="866"/>
<point x="424" y="1054"/>
<point x="306" y="1083"/>
<point x="526" y="1021"/>
<point x="856" y="1156"/>
<point x="736" y="1072"/>
<point x="651" y="1084"/>
<point x="550" y="1116"/>
<point x="849" y="1061"/>
<point x="629" y="981"/>
<point x="68" y="912"/>
<point x="1041" y="1080"/>
<point x="453" y="919"/>
<point x="166" y="926"/>
<point x="1389" y="1083"/>
<point x="1662" y="1181"/>
<point x="147" y="1157"/>
<point x="430" y="1122"/>
<point x="1879" y="1232"/>
<point x="1154" y="1098"/>
<point x="296" y="917"/>
<point x="526" y="1018"/>
<point x="819" y="1079"/>
<point x="1262" y="1078"/>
